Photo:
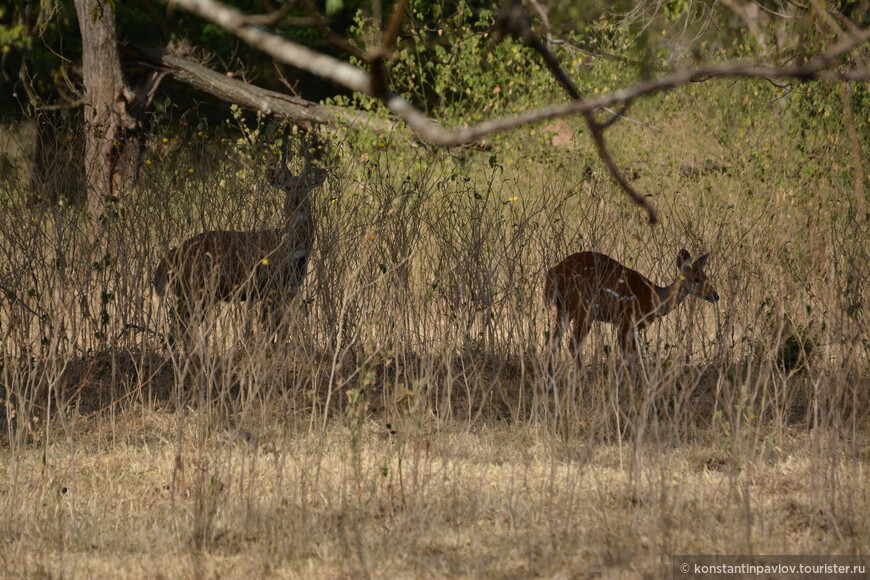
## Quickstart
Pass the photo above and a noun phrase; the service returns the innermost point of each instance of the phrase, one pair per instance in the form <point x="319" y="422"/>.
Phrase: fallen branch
<point x="247" y="95"/>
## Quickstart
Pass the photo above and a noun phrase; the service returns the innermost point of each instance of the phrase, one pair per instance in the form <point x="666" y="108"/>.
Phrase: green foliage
<point x="449" y="65"/>
<point x="674" y="9"/>
<point x="818" y="106"/>
<point x="453" y="68"/>
<point x="333" y="6"/>
<point x="14" y="37"/>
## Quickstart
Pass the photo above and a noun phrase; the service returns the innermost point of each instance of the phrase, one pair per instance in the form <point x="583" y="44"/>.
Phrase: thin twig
<point x="514" y="20"/>
<point x="138" y="328"/>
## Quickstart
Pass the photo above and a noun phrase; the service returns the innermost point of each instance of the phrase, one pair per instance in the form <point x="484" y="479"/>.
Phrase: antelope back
<point x="597" y="283"/>
<point x="221" y="264"/>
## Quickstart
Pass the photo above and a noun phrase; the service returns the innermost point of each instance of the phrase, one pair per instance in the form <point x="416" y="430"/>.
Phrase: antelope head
<point x="310" y="177"/>
<point x="694" y="280"/>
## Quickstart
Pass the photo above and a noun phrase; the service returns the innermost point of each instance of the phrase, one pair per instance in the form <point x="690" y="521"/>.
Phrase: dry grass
<point x="149" y="494"/>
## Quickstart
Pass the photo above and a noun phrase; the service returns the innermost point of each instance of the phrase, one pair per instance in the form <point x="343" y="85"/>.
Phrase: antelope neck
<point x="670" y="296"/>
<point x="294" y="198"/>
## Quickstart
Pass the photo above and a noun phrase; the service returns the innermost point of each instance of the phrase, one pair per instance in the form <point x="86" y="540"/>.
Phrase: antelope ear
<point x="701" y="262"/>
<point x="683" y="259"/>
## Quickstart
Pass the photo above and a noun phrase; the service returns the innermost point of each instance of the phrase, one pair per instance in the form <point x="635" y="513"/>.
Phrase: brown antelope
<point x="587" y="287"/>
<point x="262" y="266"/>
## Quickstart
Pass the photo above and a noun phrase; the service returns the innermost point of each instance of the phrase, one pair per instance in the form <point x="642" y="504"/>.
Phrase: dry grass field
<point x="405" y="428"/>
<point x="151" y="494"/>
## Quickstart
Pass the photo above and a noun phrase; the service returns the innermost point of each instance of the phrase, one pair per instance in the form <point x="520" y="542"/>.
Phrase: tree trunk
<point x="111" y="152"/>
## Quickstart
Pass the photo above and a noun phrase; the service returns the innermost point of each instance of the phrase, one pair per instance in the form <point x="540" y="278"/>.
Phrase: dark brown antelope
<point x="263" y="267"/>
<point x="589" y="287"/>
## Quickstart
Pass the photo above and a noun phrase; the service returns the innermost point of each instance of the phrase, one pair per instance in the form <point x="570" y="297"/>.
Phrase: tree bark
<point x="110" y="153"/>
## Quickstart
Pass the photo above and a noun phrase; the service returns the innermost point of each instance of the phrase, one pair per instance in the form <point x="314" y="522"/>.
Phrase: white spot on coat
<point x="617" y="295"/>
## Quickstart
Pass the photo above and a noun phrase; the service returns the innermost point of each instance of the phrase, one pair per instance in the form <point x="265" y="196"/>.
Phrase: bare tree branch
<point x="280" y="15"/>
<point x="349" y="76"/>
<point x="815" y="69"/>
<point x="395" y="26"/>
<point x="597" y="132"/>
<point x="513" y="20"/>
<point x="278" y="47"/>
<point x="378" y="57"/>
